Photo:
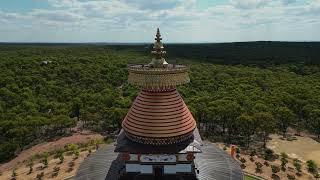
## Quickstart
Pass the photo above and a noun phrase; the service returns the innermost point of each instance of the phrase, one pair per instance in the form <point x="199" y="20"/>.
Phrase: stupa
<point x="159" y="133"/>
<point x="159" y="138"/>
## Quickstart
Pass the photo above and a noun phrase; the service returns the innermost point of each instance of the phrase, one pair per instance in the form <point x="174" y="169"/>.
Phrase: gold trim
<point x="158" y="78"/>
<point x="159" y="141"/>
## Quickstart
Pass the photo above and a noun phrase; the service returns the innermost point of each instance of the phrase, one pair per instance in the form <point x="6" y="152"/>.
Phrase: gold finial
<point x="158" y="36"/>
<point x="158" y="52"/>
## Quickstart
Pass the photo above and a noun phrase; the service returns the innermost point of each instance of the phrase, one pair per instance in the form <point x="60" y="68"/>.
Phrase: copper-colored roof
<point x="157" y="116"/>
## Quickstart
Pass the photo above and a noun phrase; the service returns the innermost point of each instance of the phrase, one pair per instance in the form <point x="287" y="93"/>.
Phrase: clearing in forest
<point x="47" y="147"/>
<point x="304" y="148"/>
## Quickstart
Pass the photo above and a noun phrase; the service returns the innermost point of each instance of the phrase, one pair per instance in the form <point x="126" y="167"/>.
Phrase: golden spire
<point x="158" y="52"/>
<point x="158" y="36"/>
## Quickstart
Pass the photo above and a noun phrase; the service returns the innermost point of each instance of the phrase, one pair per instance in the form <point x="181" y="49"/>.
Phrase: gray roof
<point x="215" y="164"/>
<point x="212" y="163"/>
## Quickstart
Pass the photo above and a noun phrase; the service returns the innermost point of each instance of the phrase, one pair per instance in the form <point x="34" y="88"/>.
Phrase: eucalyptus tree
<point x="226" y="111"/>
<point x="199" y="106"/>
<point x="247" y="126"/>
<point x="265" y="124"/>
<point x="315" y="122"/>
<point x="76" y="107"/>
<point x="285" y="118"/>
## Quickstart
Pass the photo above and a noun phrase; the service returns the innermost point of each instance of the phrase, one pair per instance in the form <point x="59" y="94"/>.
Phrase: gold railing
<point x="158" y="78"/>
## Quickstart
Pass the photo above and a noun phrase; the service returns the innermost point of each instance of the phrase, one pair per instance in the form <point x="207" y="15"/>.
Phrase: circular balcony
<point x="166" y="77"/>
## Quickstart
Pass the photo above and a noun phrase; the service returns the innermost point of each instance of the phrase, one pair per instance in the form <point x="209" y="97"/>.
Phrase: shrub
<point x="14" y="174"/>
<point x="291" y="177"/>
<point x="238" y="150"/>
<point x="45" y="162"/>
<point x="283" y="155"/>
<point x="297" y="165"/>
<point x="76" y="153"/>
<point x="266" y="163"/>
<point x="61" y="157"/>
<point x="30" y="165"/>
<point x="45" y="159"/>
<point x="291" y="138"/>
<point x="253" y="153"/>
<point x="30" y="169"/>
<point x="275" y="169"/>
<point x="55" y="169"/>
<point x="243" y="166"/>
<point x="40" y="176"/>
<point x="269" y="151"/>
<point x="89" y="151"/>
<point x="243" y="160"/>
<point x="259" y="167"/>
<point x="70" y="169"/>
<point x="54" y="174"/>
<point x="312" y="166"/>
<point x="71" y="164"/>
<point x="237" y="155"/>
<point x="275" y="177"/>
<point x="72" y="147"/>
<point x="268" y="154"/>
<point x="284" y="161"/>
<point x="225" y="148"/>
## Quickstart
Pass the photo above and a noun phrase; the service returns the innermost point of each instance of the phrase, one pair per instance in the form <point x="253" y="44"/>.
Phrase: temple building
<point x="159" y="133"/>
<point x="159" y="138"/>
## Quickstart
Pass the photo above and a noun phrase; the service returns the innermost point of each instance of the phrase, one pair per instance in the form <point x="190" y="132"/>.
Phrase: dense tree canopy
<point x="47" y="90"/>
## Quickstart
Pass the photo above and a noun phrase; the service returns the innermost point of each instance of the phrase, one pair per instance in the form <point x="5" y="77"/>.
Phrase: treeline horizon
<point x="139" y="43"/>
<point x="260" y="53"/>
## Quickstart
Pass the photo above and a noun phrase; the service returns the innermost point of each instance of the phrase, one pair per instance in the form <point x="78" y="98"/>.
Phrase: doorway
<point x="158" y="172"/>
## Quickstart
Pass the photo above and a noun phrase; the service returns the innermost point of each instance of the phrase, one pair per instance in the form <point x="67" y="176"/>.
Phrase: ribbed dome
<point x="159" y="118"/>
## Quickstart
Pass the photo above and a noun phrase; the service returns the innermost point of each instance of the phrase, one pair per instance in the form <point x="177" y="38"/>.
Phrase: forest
<point x="238" y="91"/>
<point x="260" y="53"/>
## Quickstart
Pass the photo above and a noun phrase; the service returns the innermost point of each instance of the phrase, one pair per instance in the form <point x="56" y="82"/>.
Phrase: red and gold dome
<point x="158" y="115"/>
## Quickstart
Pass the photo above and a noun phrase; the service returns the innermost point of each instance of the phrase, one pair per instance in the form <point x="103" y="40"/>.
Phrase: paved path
<point x="213" y="164"/>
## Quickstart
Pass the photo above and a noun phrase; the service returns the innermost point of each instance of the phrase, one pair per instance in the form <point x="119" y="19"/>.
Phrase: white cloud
<point x="180" y="20"/>
<point x="64" y="3"/>
<point x="154" y="5"/>
<point x="314" y="7"/>
<point x="55" y="15"/>
<point x="249" y="4"/>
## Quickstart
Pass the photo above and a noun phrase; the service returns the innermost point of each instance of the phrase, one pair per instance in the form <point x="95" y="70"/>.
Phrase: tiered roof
<point x="158" y="115"/>
<point x="159" y="118"/>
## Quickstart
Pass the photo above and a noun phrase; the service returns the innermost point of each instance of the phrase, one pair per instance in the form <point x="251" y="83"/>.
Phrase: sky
<point x="184" y="21"/>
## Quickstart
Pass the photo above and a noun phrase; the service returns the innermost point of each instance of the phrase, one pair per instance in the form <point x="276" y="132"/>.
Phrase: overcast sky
<point x="178" y="20"/>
